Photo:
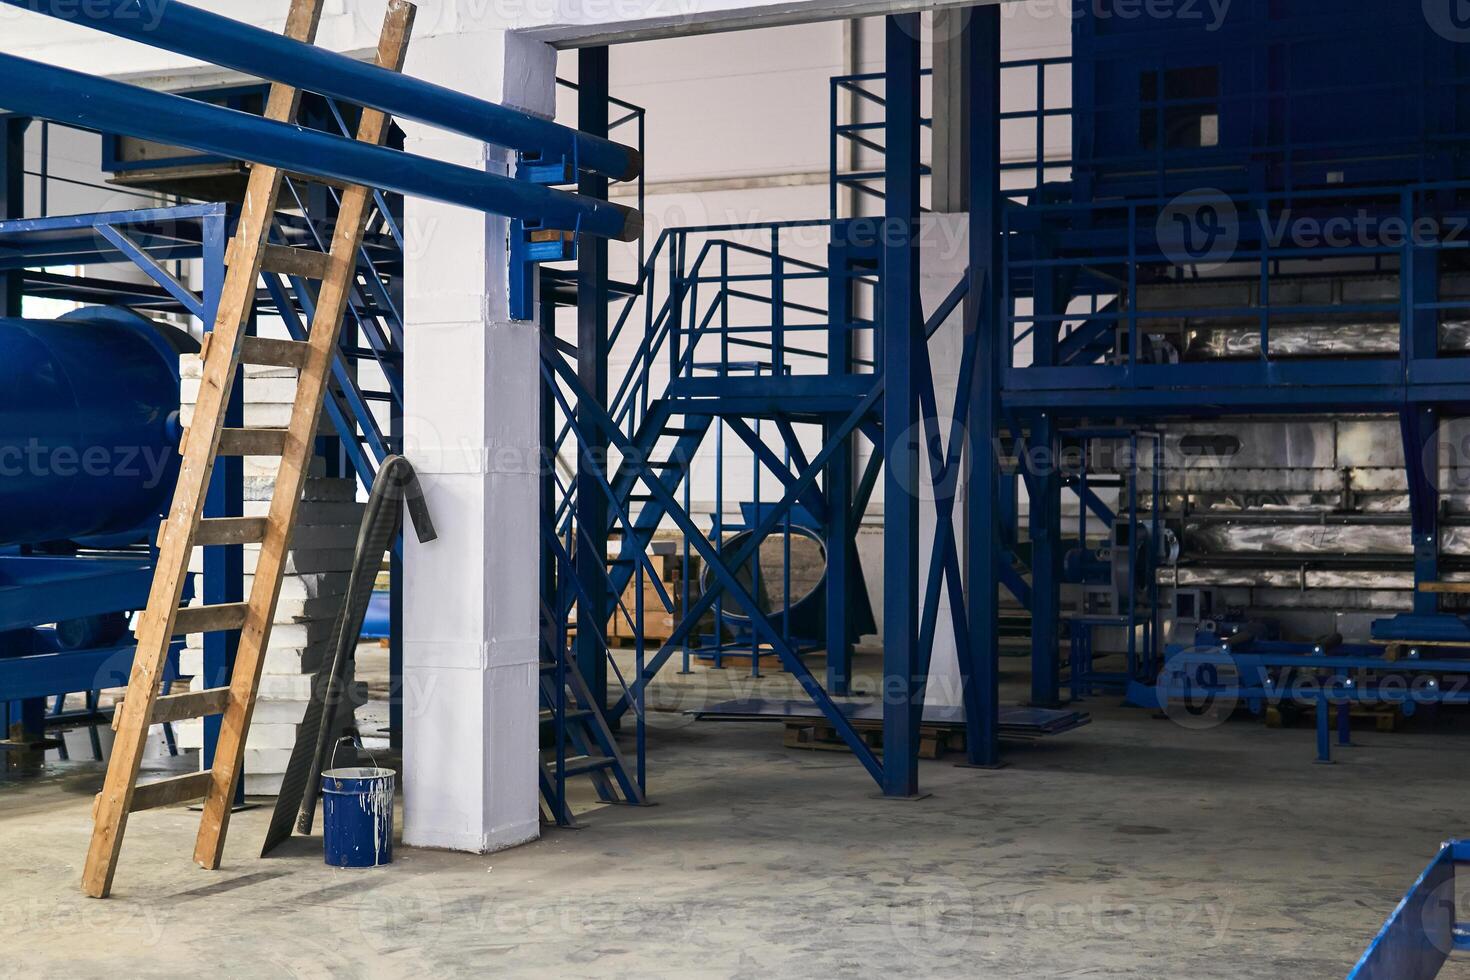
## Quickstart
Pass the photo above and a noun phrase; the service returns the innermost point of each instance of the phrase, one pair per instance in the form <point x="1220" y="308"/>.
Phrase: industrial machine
<point x="89" y="433"/>
<point x="1268" y="269"/>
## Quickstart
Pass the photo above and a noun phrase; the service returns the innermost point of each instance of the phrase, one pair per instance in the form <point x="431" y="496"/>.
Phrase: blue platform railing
<point x="1040" y="136"/>
<point x="1112" y="253"/>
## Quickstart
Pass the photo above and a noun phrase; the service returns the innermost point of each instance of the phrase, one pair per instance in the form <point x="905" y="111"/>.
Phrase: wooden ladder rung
<point x="252" y="442"/>
<point x="190" y="705"/>
<point x="305" y="262"/>
<point x="210" y="619"/>
<point x="182" y="707"/>
<point x="231" y="530"/>
<point x="166" y="792"/>
<point x="274" y="353"/>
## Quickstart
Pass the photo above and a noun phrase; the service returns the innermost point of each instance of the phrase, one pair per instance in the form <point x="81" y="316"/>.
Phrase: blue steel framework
<point x="738" y="373"/>
<point x="1096" y="225"/>
<point x="1079" y="262"/>
<point x="1289" y="142"/>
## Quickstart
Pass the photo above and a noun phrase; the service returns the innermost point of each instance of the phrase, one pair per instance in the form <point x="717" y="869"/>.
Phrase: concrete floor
<point x="1131" y="848"/>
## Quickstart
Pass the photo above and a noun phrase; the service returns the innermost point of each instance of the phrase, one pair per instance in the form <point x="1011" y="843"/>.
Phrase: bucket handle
<point x="349" y="740"/>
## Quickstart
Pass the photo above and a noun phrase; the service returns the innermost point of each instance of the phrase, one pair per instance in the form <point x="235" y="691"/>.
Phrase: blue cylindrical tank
<point x="88" y="426"/>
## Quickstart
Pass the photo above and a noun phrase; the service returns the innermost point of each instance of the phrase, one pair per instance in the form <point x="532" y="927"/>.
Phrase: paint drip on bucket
<point x="357" y="816"/>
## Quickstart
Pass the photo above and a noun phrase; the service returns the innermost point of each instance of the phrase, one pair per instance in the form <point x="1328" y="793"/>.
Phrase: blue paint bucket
<point x="357" y="816"/>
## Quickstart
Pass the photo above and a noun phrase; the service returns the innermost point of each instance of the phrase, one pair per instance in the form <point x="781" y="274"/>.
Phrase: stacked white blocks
<point x="312" y="592"/>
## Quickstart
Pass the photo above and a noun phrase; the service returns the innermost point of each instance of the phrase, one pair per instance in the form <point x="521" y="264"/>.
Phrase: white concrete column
<point x="471" y="374"/>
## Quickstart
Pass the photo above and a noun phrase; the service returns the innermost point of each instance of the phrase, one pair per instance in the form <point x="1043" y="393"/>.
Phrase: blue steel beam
<point x="12" y="201"/>
<point x="45" y="674"/>
<point x="228" y="43"/>
<point x="902" y="331"/>
<point x="1419" y="425"/>
<point x="592" y="353"/>
<point x="980" y="663"/>
<point x="839" y="478"/>
<point x="224" y="566"/>
<point x="81" y="100"/>
<point x="1051" y="295"/>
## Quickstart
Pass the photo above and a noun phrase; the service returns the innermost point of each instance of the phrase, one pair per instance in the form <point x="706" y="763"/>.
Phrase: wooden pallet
<point x="227" y="348"/>
<point x="934" y="741"/>
<point x="734" y="657"/>
<point x="1384" y="718"/>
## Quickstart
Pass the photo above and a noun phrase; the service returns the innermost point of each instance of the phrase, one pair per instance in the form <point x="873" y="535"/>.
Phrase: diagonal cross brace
<point x="724" y="576"/>
<point x="811" y="497"/>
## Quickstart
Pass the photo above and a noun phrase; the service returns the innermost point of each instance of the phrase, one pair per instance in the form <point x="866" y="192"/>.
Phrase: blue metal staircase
<point x="576" y="738"/>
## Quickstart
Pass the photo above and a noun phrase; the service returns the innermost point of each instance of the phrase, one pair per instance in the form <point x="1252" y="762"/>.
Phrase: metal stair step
<point x="578" y="765"/>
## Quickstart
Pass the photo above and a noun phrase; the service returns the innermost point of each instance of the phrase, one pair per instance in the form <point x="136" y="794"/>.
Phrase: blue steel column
<point x="1421" y="426"/>
<point x="983" y="316"/>
<point x="25" y="720"/>
<point x="224" y="567"/>
<point x="839" y="481"/>
<point x="395" y="560"/>
<point x="547" y="462"/>
<point x="902" y="330"/>
<point x="592" y="317"/>
<point x="1046" y="505"/>
<point x="12" y="201"/>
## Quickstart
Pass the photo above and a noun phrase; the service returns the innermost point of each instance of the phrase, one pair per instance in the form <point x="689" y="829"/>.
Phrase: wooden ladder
<point x="226" y="348"/>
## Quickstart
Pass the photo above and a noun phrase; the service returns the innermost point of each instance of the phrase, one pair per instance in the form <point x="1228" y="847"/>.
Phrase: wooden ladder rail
<point x="204" y="442"/>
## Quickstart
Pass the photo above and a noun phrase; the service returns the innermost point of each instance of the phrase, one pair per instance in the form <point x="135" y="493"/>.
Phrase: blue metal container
<point x="88" y="427"/>
<point x="357" y="816"/>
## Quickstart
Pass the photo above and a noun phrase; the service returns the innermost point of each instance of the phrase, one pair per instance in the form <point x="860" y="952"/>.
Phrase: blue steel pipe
<point x="228" y="43"/>
<point x="30" y="88"/>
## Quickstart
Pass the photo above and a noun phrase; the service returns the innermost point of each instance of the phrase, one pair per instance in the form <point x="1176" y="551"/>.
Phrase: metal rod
<point x="77" y="99"/>
<point x="243" y="47"/>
